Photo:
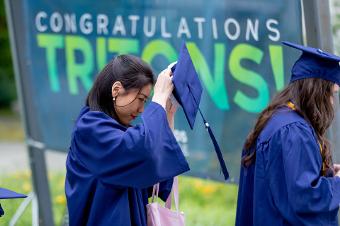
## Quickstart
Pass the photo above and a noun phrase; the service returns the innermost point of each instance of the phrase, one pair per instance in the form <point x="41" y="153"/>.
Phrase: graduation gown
<point x="110" y="168"/>
<point x="284" y="186"/>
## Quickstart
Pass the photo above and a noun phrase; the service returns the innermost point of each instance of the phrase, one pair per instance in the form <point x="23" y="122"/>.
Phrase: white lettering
<point x="237" y="32"/>
<point x="134" y="19"/>
<point x="102" y="22"/>
<point x="199" y="21"/>
<point x="85" y="23"/>
<point x="119" y="26"/>
<point x="183" y="28"/>
<point x="38" y="21"/>
<point x="276" y="36"/>
<point x="252" y="29"/>
<point x="56" y="22"/>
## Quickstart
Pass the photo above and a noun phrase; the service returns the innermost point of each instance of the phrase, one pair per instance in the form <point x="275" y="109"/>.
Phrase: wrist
<point x="160" y="99"/>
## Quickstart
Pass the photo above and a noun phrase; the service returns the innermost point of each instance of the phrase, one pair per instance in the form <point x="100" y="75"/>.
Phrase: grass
<point x="207" y="203"/>
<point x="11" y="128"/>
<point x="21" y="182"/>
<point x="204" y="202"/>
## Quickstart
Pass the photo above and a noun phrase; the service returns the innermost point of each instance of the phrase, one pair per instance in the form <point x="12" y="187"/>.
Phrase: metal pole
<point x="318" y="28"/>
<point x="40" y="181"/>
<point x="318" y="32"/>
<point x="36" y="152"/>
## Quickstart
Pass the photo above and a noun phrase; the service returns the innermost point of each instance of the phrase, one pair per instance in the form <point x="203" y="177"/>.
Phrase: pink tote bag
<point x="158" y="215"/>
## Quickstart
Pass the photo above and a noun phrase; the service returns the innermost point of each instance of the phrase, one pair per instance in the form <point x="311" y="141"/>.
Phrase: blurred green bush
<point x="7" y="83"/>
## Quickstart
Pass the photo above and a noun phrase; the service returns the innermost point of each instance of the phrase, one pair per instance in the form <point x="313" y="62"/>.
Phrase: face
<point x="129" y="104"/>
<point x="335" y="93"/>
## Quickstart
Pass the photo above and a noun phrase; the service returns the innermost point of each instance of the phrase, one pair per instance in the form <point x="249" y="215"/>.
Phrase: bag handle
<point x="174" y="192"/>
<point x="155" y="191"/>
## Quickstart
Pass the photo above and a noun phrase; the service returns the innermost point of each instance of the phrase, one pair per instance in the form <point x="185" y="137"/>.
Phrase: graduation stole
<point x="291" y="105"/>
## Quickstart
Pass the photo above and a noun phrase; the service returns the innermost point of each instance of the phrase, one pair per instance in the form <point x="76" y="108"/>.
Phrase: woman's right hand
<point x="163" y="88"/>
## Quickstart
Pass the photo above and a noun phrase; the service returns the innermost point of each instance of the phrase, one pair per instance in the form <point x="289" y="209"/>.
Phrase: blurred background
<point x="205" y="199"/>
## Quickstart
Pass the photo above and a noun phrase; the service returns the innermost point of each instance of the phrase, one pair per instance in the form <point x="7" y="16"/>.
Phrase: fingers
<point x="173" y="109"/>
<point x="166" y="72"/>
<point x="168" y="105"/>
<point x="163" y="88"/>
<point x="172" y="64"/>
<point x="336" y="167"/>
<point x="337" y="174"/>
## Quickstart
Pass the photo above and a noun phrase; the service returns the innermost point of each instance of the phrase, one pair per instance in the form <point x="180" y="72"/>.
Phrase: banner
<point x="235" y="46"/>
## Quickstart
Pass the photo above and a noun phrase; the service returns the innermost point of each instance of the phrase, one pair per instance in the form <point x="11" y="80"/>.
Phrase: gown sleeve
<point x="244" y="211"/>
<point x="308" y="191"/>
<point x="137" y="157"/>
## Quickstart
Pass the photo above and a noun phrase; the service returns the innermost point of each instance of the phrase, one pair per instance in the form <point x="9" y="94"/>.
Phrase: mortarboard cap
<point x="188" y="91"/>
<point x="315" y="63"/>
<point x="8" y="194"/>
<point x="188" y="88"/>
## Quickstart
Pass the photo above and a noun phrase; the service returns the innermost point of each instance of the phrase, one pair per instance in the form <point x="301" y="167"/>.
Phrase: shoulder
<point x="285" y="122"/>
<point x="91" y="122"/>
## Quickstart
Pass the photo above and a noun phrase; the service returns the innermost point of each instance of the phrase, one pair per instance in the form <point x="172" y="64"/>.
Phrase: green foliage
<point x="21" y="182"/>
<point x="204" y="202"/>
<point x="7" y="89"/>
<point x="207" y="203"/>
<point x="7" y="84"/>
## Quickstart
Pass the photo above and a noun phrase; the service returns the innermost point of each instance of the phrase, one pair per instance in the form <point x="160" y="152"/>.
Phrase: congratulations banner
<point x="235" y="46"/>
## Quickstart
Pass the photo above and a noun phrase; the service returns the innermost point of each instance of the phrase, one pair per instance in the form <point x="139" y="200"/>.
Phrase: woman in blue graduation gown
<point x="287" y="175"/>
<point x="112" y="165"/>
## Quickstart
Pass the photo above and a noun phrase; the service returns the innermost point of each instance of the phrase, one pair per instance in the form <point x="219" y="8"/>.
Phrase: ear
<point x="117" y="88"/>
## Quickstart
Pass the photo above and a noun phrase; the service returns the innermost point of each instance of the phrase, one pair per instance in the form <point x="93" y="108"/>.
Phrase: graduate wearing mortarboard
<point x="112" y="165"/>
<point x="287" y="174"/>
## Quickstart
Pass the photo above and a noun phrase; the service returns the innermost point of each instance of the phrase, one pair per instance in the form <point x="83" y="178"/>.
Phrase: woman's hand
<point x="163" y="88"/>
<point x="336" y="169"/>
<point x="170" y="112"/>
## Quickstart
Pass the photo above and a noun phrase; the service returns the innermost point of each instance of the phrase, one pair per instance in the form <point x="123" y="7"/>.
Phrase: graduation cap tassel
<point x="217" y="147"/>
<point x="188" y="91"/>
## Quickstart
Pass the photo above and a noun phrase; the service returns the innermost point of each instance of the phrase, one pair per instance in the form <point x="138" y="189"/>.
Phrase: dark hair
<point x="131" y="71"/>
<point x="311" y="98"/>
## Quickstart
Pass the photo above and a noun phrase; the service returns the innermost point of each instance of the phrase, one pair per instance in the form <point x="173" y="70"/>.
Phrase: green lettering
<point x="101" y="53"/>
<point x="76" y="70"/>
<point x="123" y="46"/>
<point x="276" y="60"/>
<point x="250" y="78"/>
<point x="51" y="43"/>
<point x="215" y="86"/>
<point x="159" y="47"/>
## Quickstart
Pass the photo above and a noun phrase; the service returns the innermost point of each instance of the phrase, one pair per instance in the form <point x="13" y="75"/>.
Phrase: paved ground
<point x="14" y="157"/>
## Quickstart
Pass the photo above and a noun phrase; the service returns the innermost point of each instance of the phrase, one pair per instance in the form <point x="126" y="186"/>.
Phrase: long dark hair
<point x="312" y="101"/>
<point x="131" y="71"/>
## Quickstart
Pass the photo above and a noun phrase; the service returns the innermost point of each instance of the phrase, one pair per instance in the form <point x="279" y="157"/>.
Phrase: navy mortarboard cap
<point x="315" y="63"/>
<point x="188" y="91"/>
<point x="8" y="194"/>
<point x="188" y="88"/>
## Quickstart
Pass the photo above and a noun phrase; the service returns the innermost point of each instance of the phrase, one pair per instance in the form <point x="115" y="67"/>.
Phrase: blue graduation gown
<point x="284" y="186"/>
<point x="110" y="168"/>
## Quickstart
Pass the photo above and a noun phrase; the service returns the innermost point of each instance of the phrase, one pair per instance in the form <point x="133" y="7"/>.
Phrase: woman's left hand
<point x="336" y="168"/>
<point x="170" y="112"/>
